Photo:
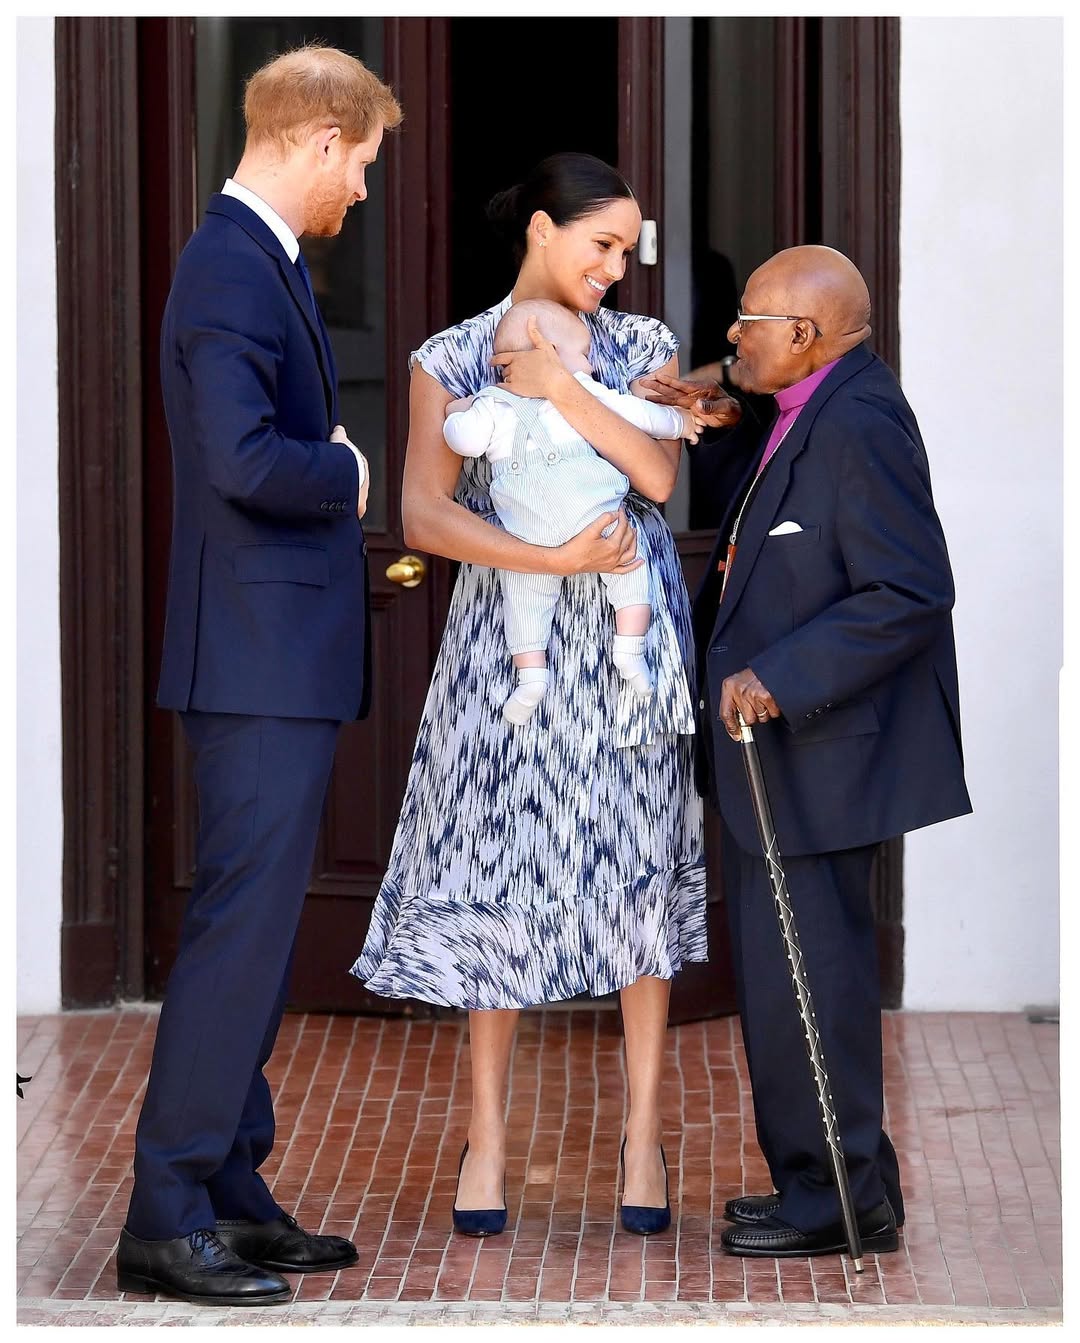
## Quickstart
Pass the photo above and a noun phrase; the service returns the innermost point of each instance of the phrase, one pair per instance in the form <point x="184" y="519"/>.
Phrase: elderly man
<point x="265" y="656"/>
<point x="824" y="619"/>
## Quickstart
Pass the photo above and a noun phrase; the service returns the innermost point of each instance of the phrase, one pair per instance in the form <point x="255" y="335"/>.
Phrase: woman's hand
<point x="535" y="372"/>
<point x="433" y="520"/>
<point x="711" y="405"/>
<point x="606" y="546"/>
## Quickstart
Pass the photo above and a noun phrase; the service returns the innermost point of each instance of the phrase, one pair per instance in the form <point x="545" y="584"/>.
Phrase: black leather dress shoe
<point x="195" y="1268"/>
<point x="285" y="1246"/>
<point x="774" y="1239"/>
<point x="748" y="1209"/>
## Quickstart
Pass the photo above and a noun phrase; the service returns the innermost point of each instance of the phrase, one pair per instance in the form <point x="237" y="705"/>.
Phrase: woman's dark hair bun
<point x="566" y="186"/>
<point x="502" y="214"/>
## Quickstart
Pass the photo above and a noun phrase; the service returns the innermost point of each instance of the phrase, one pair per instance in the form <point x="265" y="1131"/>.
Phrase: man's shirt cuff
<point x="361" y="468"/>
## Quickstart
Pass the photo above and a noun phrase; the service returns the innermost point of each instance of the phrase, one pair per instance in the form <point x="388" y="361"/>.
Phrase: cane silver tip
<point x="858" y="1265"/>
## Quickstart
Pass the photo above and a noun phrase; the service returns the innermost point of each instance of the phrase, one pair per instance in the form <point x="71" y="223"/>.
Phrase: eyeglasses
<point x="742" y="318"/>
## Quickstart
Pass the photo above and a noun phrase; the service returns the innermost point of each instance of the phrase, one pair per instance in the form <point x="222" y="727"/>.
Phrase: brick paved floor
<point x="372" y="1117"/>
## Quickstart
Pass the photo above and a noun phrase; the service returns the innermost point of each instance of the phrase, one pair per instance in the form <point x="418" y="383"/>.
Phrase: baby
<point x="547" y="483"/>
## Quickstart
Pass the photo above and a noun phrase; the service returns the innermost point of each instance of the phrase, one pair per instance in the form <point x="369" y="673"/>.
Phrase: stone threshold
<point x="52" y="1312"/>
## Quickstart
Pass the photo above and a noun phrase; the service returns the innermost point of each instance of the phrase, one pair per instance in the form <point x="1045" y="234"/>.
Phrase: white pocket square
<point x="785" y="529"/>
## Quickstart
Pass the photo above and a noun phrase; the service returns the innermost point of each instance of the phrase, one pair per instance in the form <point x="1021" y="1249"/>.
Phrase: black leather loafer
<point x="196" y="1268"/>
<point x="773" y="1239"/>
<point x="748" y="1209"/>
<point x="285" y="1246"/>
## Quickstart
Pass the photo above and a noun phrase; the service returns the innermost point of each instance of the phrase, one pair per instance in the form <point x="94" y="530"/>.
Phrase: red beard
<point x="325" y="209"/>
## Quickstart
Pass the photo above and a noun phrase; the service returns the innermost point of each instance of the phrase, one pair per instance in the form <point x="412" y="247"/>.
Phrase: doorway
<point x="508" y="113"/>
<point x="128" y="114"/>
<point x="489" y="137"/>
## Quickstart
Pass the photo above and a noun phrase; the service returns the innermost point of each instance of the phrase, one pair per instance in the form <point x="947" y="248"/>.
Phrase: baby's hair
<point x="556" y="323"/>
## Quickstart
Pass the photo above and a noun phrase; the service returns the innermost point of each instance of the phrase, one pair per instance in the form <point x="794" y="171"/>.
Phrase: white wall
<point x="980" y="325"/>
<point x="39" y="815"/>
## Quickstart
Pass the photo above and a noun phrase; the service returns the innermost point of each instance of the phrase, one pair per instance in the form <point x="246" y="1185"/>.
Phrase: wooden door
<point x="763" y="128"/>
<point x="382" y="286"/>
<point x="775" y="132"/>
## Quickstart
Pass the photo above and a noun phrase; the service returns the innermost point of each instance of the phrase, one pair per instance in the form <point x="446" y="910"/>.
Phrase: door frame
<point x="100" y="479"/>
<point x="104" y="368"/>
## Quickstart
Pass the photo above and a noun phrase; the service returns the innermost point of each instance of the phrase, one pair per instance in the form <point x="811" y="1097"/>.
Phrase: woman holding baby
<point x="539" y="859"/>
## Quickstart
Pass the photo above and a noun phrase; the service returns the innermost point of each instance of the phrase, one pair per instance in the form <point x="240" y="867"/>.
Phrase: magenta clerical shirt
<point x="791" y="400"/>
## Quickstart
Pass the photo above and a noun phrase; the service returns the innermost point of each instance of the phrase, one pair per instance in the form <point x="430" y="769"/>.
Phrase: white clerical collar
<point x="270" y="217"/>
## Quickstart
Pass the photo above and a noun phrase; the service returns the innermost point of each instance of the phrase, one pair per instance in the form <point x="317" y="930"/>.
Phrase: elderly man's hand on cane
<point x="743" y="693"/>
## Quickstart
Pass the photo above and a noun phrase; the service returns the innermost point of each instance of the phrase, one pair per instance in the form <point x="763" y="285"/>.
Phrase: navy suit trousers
<point x="207" y="1122"/>
<point x="830" y="894"/>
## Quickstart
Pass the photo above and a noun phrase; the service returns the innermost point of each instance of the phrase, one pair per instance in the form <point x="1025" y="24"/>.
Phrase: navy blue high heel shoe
<point x="645" y="1221"/>
<point x="479" y="1221"/>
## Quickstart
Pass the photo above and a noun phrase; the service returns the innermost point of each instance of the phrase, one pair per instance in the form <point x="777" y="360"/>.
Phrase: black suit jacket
<point x="267" y="609"/>
<point x="847" y="622"/>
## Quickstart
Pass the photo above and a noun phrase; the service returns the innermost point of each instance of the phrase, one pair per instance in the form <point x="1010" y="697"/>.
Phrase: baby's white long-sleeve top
<point x="488" y="426"/>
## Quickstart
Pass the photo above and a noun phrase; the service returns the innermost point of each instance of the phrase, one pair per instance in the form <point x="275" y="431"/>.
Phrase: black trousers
<point x="830" y="894"/>
<point x="207" y="1122"/>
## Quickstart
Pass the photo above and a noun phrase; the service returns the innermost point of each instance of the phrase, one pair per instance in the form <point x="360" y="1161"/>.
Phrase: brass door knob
<point x="409" y="571"/>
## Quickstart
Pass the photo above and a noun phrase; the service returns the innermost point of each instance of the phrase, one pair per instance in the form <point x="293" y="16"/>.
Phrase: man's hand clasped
<point x="743" y="693"/>
<point x="340" y="436"/>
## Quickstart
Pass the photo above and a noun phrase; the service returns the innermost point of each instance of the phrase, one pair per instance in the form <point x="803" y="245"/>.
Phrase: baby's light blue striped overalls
<point x="545" y="493"/>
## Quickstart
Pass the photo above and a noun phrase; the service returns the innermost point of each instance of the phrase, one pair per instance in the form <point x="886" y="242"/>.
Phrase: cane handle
<point x="744" y="727"/>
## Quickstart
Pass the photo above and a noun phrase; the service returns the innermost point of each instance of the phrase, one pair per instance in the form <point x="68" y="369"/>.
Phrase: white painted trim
<point x="39" y="794"/>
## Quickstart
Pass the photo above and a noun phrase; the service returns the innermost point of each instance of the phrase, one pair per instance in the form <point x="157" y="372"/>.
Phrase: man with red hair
<point x="266" y="654"/>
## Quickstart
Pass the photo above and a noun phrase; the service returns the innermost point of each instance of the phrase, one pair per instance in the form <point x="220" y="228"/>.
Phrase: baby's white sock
<point x="531" y="687"/>
<point x="628" y="655"/>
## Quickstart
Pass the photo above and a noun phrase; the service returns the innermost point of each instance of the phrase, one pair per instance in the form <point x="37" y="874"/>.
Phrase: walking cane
<point x="786" y="915"/>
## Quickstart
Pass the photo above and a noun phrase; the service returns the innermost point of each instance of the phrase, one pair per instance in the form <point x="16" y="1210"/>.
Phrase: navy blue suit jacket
<point x="848" y="624"/>
<point x="267" y="605"/>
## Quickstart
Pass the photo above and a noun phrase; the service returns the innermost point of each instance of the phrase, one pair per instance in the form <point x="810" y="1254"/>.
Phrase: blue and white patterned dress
<point x="564" y="856"/>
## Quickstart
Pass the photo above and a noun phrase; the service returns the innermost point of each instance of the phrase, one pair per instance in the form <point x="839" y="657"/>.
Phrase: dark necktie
<point x="305" y="275"/>
<point x="324" y="337"/>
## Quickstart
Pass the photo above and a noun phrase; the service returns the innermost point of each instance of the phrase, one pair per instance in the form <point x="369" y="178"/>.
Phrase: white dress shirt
<point x="284" y="234"/>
